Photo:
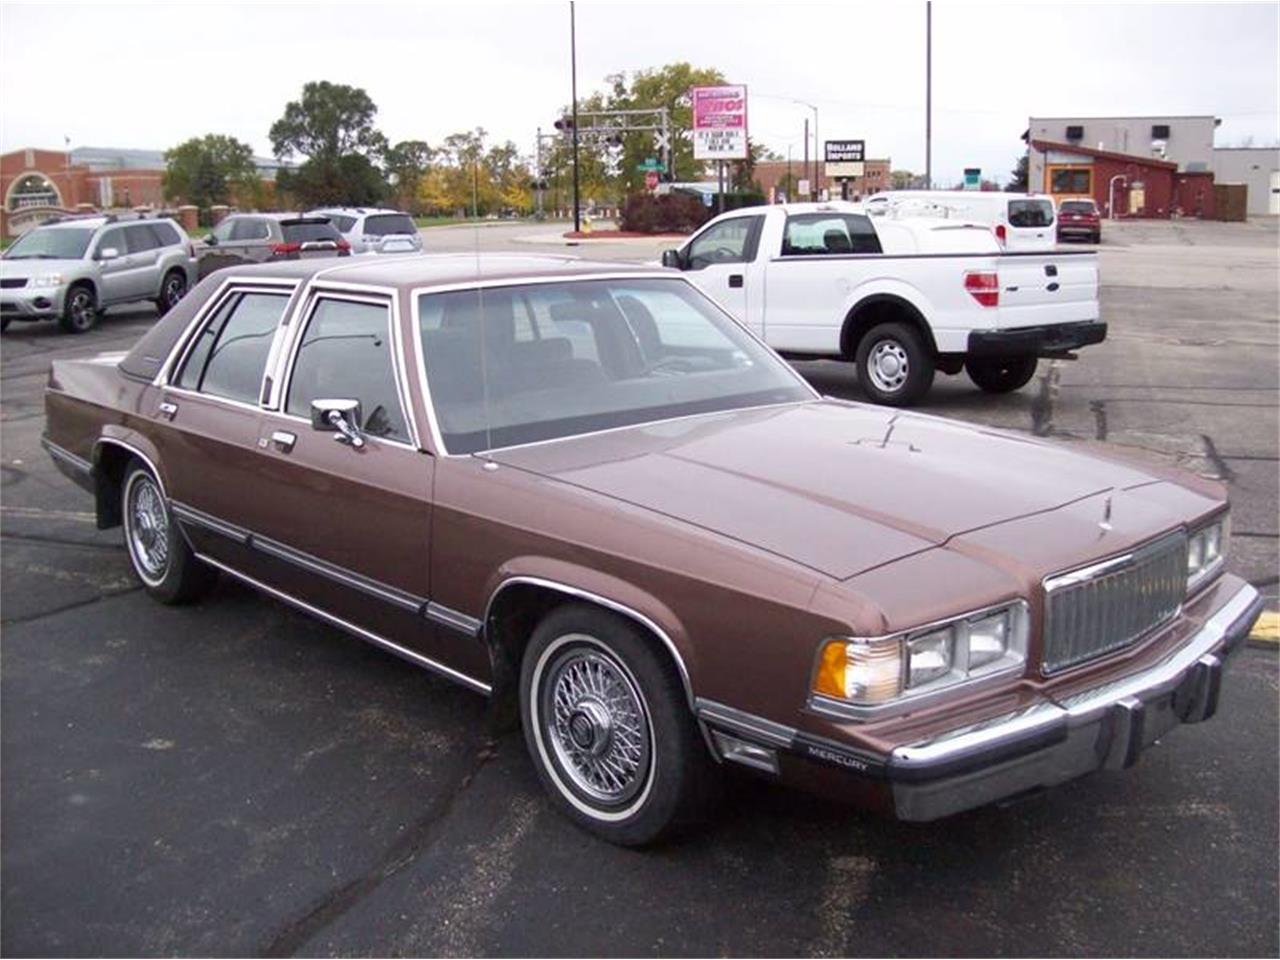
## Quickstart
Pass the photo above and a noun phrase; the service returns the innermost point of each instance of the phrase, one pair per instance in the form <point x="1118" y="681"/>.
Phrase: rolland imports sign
<point x="719" y="123"/>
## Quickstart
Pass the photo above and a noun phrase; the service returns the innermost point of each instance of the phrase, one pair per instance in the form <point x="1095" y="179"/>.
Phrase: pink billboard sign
<point x="719" y="123"/>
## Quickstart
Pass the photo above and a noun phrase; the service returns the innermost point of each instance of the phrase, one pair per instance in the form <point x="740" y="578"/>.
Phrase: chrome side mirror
<point x="339" y="416"/>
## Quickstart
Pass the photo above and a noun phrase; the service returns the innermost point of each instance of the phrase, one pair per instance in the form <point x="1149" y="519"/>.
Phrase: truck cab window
<point x="826" y="234"/>
<point x="730" y="241"/>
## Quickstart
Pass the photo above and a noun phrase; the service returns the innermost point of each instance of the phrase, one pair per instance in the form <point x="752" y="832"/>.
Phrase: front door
<point x="717" y="261"/>
<point x="119" y="272"/>
<point x="348" y="527"/>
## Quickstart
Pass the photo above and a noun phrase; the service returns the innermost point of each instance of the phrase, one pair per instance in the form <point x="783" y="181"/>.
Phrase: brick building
<point x="771" y="174"/>
<point x="36" y="184"/>
<point x="1139" y="186"/>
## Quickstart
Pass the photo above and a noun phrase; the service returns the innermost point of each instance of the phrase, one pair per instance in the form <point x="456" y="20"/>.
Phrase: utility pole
<point x="573" y="69"/>
<point x="475" y="187"/>
<point x="805" y="168"/>
<point x="928" y="94"/>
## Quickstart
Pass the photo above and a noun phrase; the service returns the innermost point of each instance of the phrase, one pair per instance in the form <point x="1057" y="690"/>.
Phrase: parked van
<point x="1022" y="222"/>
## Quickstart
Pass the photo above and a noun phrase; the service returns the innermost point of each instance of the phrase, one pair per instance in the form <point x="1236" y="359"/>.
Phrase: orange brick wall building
<point x="36" y="183"/>
<point x="770" y="174"/>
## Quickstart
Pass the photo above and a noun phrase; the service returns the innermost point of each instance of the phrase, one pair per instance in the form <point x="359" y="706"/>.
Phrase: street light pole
<point x="813" y="182"/>
<point x="928" y="95"/>
<point x="573" y="58"/>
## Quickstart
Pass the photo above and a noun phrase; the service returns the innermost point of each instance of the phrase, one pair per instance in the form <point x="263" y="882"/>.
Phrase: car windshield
<point x="382" y="224"/>
<point x="308" y="231"/>
<point x="52" y="243"/>
<point x="518" y="364"/>
<point x="1077" y="206"/>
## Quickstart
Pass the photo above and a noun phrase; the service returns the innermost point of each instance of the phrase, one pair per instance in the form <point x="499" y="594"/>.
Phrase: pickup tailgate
<point x="1047" y="288"/>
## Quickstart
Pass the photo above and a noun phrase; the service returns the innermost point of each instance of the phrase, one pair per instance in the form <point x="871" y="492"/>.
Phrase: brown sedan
<point x="584" y="490"/>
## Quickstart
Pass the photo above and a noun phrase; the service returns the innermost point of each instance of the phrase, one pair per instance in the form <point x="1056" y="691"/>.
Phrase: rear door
<point x="391" y="233"/>
<point x="1029" y="224"/>
<point x="144" y="252"/>
<point x="1041" y="289"/>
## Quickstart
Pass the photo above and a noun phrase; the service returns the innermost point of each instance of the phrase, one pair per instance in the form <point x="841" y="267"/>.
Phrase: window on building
<point x="1076" y="180"/>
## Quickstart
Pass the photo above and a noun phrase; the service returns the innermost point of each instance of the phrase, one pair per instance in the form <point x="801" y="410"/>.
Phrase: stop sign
<point x="651" y="180"/>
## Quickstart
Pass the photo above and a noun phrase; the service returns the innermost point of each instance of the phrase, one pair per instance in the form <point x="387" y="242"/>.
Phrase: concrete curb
<point x="1267" y="629"/>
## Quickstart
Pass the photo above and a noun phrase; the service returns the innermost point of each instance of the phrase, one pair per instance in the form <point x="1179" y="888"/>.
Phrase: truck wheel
<point x="80" y="314"/>
<point x="894" y="366"/>
<point x="1001" y="374"/>
<point x="609" y="729"/>
<point x="158" y="552"/>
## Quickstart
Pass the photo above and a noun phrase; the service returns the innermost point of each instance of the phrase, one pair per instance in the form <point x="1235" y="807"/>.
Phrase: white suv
<point x="374" y="231"/>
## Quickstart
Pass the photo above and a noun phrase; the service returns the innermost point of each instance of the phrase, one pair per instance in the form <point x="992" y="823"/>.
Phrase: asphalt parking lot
<point x="234" y="778"/>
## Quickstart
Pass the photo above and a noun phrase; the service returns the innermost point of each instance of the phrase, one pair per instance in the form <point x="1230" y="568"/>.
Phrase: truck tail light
<point x="1001" y="234"/>
<point x="983" y="287"/>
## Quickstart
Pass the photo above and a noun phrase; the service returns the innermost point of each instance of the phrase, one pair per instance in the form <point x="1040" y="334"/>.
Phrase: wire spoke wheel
<point x="596" y="722"/>
<point x="148" y="532"/>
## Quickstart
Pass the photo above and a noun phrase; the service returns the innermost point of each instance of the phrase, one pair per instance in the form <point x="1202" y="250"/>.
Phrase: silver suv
<point x="74" y="269"/>
<point x="374" y="231"/>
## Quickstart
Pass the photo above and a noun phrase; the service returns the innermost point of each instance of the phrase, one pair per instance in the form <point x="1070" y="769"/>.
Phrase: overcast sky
<point x="114" y="75"/>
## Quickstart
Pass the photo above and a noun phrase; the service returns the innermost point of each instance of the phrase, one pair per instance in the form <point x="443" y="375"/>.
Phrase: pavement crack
<point x="1219" y="464"/>
<point x="293" y="937"/>
<point x="1042" y="404"/>
<point x="60" y="542"/>
<point x="32" y="617"/>
<point x="1099" y="408"/>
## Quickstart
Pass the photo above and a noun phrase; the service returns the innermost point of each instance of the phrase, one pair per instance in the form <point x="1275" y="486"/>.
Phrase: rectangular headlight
<point x="885" y="669"/>
<point x="1207" y="550"/>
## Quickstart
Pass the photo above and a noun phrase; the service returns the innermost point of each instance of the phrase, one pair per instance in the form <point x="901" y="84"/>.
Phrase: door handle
<point x="284" y="440"/>
<point x="167" y="409"/>
<point x="735" y="280"/>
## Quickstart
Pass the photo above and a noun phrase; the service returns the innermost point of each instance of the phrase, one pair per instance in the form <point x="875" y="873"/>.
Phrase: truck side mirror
<point x="672" y="258"/>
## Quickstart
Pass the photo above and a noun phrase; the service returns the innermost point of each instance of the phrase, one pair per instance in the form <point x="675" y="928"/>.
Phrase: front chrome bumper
<point x="1106" y="727"/>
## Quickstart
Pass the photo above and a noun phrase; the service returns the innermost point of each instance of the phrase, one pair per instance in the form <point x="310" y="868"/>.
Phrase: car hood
<point x="837" y="487"/>
<point x="35" y="268"/>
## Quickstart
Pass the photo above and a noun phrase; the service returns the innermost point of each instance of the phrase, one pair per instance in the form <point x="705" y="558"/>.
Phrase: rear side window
<point x="345" y="354"/>
<point x="1030" y="213"/>
<point x="249" y="228"/>
<point x="165" y="233"/>
<point x="141" y="238"/>
<point x="819" y="234"/>
<point x="308" y="231"/>
<point x="382" y="224"/>
<point x="230" y="355"/>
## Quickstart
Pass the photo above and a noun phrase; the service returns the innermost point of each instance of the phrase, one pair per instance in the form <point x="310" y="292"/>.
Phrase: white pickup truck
<point x="902" y="298"/>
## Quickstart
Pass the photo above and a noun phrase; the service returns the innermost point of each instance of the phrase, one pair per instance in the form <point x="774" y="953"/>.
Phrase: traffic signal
<point x="565" y="124"/>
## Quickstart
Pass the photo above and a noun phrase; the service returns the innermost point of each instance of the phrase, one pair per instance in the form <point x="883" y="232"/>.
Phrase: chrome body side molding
<point x="376" y="639"/>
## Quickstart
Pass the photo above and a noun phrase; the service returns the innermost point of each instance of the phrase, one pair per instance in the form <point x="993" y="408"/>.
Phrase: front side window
<point x="249" y="228"/>
<point x="112" y="239"/>
<point x="222" y="232"/>
<point x="730" y="241"/>
<point x="229" y="356"/>
<point x="518" y="364"/>
<point x="822" y="234"/>
<point x="1030" y="213"/>
<point x="345" y="354"/>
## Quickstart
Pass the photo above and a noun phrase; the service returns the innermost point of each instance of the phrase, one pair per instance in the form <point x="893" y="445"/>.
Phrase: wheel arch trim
<point x="892" y="296"/>
<point x="608" y="603"/>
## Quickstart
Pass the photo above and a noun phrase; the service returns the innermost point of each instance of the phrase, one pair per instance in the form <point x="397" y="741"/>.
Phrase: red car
<point x="1079" y="218"/>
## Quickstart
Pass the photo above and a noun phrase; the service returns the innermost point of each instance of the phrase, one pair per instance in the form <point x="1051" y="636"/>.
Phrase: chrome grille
<point x="1109" y="605"/>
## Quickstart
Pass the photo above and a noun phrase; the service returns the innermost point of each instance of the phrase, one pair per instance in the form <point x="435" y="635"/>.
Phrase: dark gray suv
<point x="261" y="237"/>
